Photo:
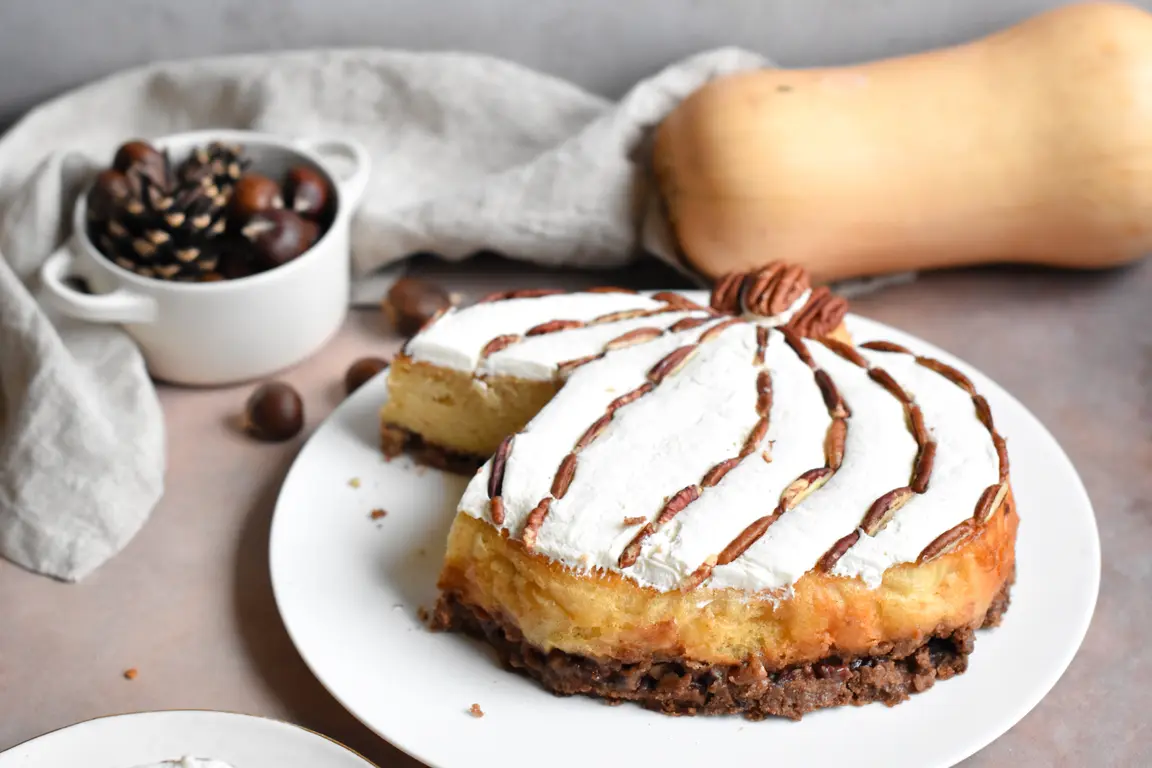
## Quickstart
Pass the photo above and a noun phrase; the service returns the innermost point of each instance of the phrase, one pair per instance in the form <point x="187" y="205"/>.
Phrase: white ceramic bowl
<point x="232" y="330"/>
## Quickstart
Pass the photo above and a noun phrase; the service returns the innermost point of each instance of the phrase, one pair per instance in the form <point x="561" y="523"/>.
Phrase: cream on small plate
<point x="182" y="739"/>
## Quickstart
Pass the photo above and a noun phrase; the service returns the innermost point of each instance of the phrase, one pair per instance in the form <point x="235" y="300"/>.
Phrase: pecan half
<point x="629" y="397"/>
<point x="609" y="289"/>
<point x="636" y="336"/>
<point x="671" y="363"/>
<point x="764" y="393"/>
<point x="716" y="474"/>
<point x="527" y="293"/>
<point x="675" y="300"/>
<point x="631" y="552"/>
<point x="533" y="523"/>
<point x="593" y="432"/>
<point x="949" y="373"/>
<point x="565" y="368"/>
<point x="845" y="351"/>
<point x="747" y="538"/>
<point x="754" y="437"/>
<point x="884" y="508"/>
<point x="564" y="476"/>
<point x="719" y="328"/>
<point x="885" y="346"/>
<point x="923" y="469"/>
<point x="989" y="502"/>
<point x="726" y="293"/>
<point x="496" y="510"/>
<point x="774" y="289"/>
<point x="676" y="503"/>
<point x="983" y="412"/>
<point x="884" y="379"/>
<point x="761" y="345"/>
<point x="499" y="343"/>
<point x="499" y="461"/>
<point x="552" y="326"/>
<point x="834" y="443"/>
<point x="700" y="575"/>
<point x="916" y="425"/>
<point x="1002" y="455"/>
<point x="688" y="323"/>
<point x="615" y="317"/>
<point x="820" y="315"/>
<point x="799" y="347"/>
<point x="837" y="551"/>
<point x="832" y="399"/>
<point x="947" y="542"/>
<point x="799" y="488"/>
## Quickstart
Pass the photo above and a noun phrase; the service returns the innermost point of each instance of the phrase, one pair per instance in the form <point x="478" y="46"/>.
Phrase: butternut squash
<point x="1031" y="145"/>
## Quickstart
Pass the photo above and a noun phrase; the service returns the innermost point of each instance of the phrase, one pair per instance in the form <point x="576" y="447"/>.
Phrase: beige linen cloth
<point x="469" y="153"/>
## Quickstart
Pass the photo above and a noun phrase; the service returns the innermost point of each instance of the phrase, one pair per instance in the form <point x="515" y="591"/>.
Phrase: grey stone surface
<point x="48" y="46"/>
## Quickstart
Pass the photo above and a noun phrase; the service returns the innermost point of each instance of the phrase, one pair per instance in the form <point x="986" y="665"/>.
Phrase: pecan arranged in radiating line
<point x="671" y="363"/>
<point x="700" y="575"/>
<point x="688" y="323"/>
<point x="675" y="300"/>
<point x="552" y="326"/>
<point x="593" y="432"/>
<point x="759" y="430"/>
<point x="820" y="315"/>
<point x="885" y="346"/>
<point x="837" y="551"/>
<point x="629" y="397"/>
<point x="799" y="347"/>
<point x="499" y="343"/>
<point x="989" y="502"/>
<point x="636" y="336"/>
<point x="763" y="393"/>
<point x="609" y="289"/>
<point x="916" y="425"/>
<point x="1001" y="454"/>
<point x="615" y="317"/>
<point x="983" y="412"/>
<point x="747" y="538"/>
<point x="834" y="441"/>
<point x="496" y="510"/>
<point x="565" y="368"/>
<point x="533" y="523"/>
<point x="832" y="399"/>
<point x="631" y="552"/>
<point x="564" y="476"/>
<point x="922" y="471"/>
<point x="726" y="293"/>
<point x="676" y="503"/>
<point x="884" y="508"/>
<point x="499" y="461"/>
<point x="884" y="379"/>
<point x="716" y="474"/>
<point x="845" y="351"/>
<point x="761" y="345"/>
<point x="947" y="542"/>
<point x="949" y="373"/>
<point x="719" y="328"/>
<point x="799" y="488"/>
<point x="774" y="289"/>
<point x="526" y="293"/>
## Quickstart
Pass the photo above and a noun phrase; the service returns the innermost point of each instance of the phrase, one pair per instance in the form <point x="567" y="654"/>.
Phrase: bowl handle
<point x="119" y="306"/>
<point x="353" y="183"/>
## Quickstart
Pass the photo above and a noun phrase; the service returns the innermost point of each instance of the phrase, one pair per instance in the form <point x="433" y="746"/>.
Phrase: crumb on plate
<point x="475" y="711"/>
<point x="376" y="514"/>
<point x="354" y="482"/>
<point x="130" y="674"/>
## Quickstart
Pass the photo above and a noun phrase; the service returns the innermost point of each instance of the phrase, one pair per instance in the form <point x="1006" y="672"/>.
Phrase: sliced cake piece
<point x="476" y="375"/>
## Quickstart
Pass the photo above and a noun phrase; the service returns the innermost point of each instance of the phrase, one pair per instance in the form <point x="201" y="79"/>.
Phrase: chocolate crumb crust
<point x="680" y="686"/>
<point x="396" y="440"/>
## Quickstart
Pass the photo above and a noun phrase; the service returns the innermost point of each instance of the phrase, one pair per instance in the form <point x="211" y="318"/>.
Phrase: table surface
<point x="189" y="601"/>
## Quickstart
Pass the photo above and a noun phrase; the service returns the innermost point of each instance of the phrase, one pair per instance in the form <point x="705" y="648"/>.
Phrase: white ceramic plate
<point x="349" y="589"/>
<point x="127" y="741"/>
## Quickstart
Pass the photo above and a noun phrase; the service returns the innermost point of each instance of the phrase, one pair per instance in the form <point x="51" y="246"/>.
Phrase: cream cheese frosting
<point x="599" y="482"/>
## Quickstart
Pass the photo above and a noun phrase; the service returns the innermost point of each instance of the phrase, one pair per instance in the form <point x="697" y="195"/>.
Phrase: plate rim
<point x="186" y="711"/>
<point x="1026" y="703"/>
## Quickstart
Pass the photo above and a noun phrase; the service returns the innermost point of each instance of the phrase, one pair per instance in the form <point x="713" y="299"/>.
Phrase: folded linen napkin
<point x="469" y="153"/>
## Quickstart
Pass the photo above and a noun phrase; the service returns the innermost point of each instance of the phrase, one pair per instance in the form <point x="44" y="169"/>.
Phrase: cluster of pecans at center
<point x="206" y="218"/>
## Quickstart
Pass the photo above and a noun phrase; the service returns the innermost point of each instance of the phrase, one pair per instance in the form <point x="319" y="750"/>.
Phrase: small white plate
<point x="128" y="741"/>
<point x="349" y="589"/>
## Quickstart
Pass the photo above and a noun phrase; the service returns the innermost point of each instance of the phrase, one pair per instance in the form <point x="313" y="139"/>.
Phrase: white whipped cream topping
<point x="457" y="339"/>
<point x="966" y="463"/>
<point x="700" y="416"/>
